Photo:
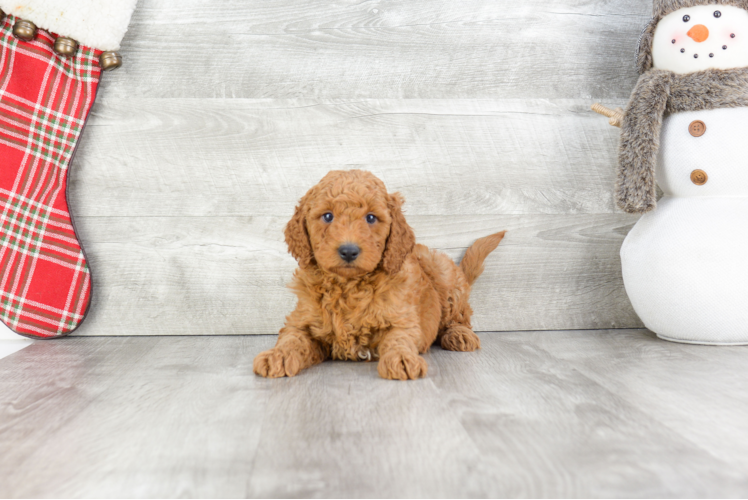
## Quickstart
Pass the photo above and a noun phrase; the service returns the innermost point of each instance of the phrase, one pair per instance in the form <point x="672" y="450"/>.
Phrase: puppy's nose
<point x="349" y="252"/>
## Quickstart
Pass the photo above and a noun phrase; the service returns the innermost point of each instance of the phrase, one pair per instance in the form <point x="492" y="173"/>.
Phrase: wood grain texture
<point x="477" y="111"/>
<point x="711" y="415"/>
<point x="227" y="275"/>
<point x="570" y="435"/>
<point x="216" y="157"/>
<point x="533" y="414"/>
<point x="182" y="203"/>
<point x="117" y="414"/>
<point x="381" y="49"/>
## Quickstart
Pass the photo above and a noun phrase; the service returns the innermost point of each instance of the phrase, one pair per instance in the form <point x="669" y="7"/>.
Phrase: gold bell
<point x="25" y="30"/>
<point x="66" y="47"/>
<point x="110" y="60"/>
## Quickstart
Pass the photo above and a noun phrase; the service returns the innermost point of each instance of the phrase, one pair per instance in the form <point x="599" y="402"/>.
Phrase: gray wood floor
<point x="221" y="118"/>
<point x="556" y="414"/>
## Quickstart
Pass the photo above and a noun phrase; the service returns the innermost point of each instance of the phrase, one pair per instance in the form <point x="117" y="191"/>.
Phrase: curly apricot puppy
<point x="365" y="289"/>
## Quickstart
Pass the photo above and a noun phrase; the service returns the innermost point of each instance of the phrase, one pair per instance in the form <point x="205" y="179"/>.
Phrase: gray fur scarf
<point x="658" y="92"/>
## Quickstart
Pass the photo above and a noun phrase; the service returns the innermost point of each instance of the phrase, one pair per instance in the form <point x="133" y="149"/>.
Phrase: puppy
<point x="365" y="290"/>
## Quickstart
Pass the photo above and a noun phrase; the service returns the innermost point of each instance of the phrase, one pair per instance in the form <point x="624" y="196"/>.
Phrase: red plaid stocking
<point x="45" y="284"/>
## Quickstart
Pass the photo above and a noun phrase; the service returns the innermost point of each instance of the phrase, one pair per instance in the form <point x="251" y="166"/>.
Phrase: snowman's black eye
<point x="732" y="35"/>
<point x="711" y="55"/>
<point x="328" y="217"/>
<point x="695" y="56"/>
<point x="724" y="47"/>
<point x="686" y="19"/>
<point x="717" y="14"/>
<point x="682" y="51"/>
<point x="673" y="40"/>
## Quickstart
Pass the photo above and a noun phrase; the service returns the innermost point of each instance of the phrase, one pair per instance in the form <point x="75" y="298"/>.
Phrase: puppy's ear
<point x="401" y="240"/>
<point x="297" y="236"/>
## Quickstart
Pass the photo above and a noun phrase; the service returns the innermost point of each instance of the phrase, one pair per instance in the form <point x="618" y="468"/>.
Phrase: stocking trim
<point x="100" y="24"/>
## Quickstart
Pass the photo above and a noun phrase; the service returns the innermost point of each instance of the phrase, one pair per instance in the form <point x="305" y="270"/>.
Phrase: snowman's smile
<point x="702" y="37"/>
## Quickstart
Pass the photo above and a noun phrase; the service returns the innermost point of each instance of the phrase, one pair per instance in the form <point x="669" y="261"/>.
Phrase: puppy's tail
<point x="472" y="262"/>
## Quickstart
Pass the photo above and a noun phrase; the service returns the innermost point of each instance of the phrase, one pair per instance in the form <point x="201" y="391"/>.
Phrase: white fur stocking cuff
<point x="100" y="24"/>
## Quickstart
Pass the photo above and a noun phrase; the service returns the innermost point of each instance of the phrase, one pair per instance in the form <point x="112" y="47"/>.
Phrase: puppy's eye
<point x="686" y="19"/>
<point x="717" y="14"/>
<point x="328" y="217"/>
<point x="371" y="218"/>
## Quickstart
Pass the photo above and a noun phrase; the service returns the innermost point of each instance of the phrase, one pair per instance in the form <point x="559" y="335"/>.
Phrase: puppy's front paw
<point x="277" y="363"/>
<point x="460" y="338"/>
<point x="396" y="365"/>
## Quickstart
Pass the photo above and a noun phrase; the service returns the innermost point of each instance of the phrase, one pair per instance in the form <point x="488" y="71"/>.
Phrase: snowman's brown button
<point x="697" y="128"/>
<point x="699" y="177"/>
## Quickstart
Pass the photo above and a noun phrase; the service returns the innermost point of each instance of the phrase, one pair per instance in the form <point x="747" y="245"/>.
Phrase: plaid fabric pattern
<point x="45" y="284"/>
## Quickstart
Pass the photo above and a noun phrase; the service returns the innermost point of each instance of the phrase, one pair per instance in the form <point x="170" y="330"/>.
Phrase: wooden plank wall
<point x="224" y="114"/>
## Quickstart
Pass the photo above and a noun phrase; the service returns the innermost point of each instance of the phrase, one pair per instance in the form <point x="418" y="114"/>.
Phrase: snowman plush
<point x="685" y="263"/>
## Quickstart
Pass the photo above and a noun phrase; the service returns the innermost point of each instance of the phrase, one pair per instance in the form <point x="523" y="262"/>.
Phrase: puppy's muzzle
<point x="349" y="252"/>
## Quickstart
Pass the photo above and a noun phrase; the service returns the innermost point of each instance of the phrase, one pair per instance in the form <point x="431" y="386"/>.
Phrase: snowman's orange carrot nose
<point x="699" y="33"/>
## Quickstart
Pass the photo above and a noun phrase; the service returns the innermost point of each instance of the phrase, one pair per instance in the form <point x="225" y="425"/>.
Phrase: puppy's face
<point x="348" y="230"/>
<point x="349" y="225"/>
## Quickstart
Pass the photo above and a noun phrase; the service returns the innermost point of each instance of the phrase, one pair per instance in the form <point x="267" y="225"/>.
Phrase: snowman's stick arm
<point x="615" y="115"/>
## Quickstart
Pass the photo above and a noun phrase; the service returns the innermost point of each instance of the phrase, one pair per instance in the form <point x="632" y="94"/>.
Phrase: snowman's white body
<point x="685" y="264"/>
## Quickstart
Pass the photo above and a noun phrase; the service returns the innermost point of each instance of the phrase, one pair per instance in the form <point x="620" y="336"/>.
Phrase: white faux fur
<point x="100" y="24"/>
